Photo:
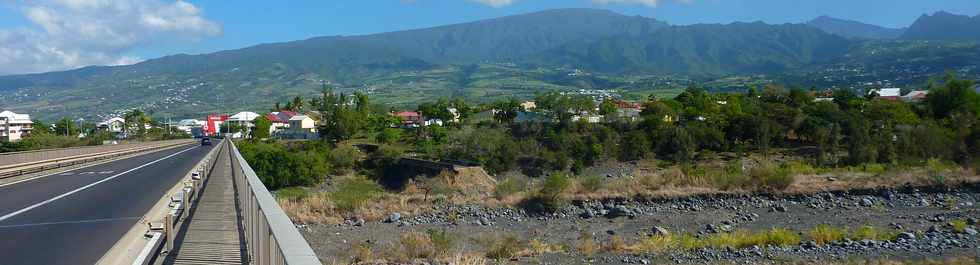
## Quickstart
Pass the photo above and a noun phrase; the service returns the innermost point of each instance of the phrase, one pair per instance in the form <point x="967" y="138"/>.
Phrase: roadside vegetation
<point x="68" y="133"/>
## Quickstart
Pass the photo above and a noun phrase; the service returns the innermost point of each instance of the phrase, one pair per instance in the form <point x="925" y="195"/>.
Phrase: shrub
<point x="361" y="252"/>
<point x="655" y="244"/>
<point x="443" y="242"/>
<point x="415" y="245"/>
<point x="587" y="245"/>
<point x="388" y="136"/>
<point x="507" y="187"/>
<point x="781" y="237"/>
<point x="959" y="226"/>
<point x="549" y="197"/>
<point x="824" y="234"/>
<point x="504" y="248"/>
<point x="591" y="183"/>
<point x="352" y="193"/>
<point x="771" y="177"/>
<point x="344" y="158"/>
<point x="872" y="233"/>
<point x="616" y="244"/>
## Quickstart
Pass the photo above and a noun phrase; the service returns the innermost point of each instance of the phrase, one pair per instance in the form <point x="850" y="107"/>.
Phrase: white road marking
<point x="65" y="173"/>
<point x="72" y="222"/>
<point x="10" y="215"/>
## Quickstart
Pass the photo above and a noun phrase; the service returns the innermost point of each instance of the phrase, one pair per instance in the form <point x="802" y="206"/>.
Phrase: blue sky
<point x="204" y="26"/>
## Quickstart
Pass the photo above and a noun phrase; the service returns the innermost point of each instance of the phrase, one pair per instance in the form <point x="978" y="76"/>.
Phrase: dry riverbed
<point x="909" y="224"/>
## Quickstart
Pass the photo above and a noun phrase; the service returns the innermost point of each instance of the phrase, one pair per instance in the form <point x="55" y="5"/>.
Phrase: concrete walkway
<point x="212" y="233"/>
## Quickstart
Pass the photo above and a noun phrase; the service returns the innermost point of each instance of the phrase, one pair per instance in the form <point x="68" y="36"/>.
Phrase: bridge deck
<point x="212" y="233"/>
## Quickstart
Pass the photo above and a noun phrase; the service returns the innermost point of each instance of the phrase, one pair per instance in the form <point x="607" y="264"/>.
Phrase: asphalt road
<point x="75" y="217"/>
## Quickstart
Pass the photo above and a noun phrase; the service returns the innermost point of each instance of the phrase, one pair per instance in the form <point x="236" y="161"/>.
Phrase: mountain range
<point x="483" y="60"/>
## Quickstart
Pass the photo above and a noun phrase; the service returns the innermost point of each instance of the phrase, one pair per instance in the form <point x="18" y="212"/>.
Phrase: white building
<point x="302" y="123"/>
<point x="13" y="126"/>
<point x="301" y="127"/>
<point x="113" y="125"/>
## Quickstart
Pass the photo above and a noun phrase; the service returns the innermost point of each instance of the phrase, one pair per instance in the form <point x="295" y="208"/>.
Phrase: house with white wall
<point x="14" y="126"/>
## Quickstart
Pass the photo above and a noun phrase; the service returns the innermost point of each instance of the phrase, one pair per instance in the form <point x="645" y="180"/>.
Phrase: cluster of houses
<point x="294" y="125"/>
<point x="894" y="94"/>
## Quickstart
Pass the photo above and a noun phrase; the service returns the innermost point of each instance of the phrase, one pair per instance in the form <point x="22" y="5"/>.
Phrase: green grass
<point x="872" y="233"/>
<point x="825" y="234"/>
<point x="591" y="183"/>
<point x="352" y="193"/>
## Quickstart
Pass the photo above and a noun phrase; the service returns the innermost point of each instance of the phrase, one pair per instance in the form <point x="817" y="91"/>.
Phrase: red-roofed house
<point x="280" y="120"/>
<point x="410" y="118"/>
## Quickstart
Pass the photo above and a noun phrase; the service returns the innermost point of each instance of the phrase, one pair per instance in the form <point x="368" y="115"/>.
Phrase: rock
<point x="657" y="230"/>
<point x="933" y="229"/>
<point x="906" y="236"/>
<point x="587" y="214"/>
<point x="620" y="211"/>
<point x="867" y="202"/>
<point x="394" y="217"/>
<point x="611" y="232"/>
<point x="780" y="208"/>
<point x="359" y="222"/>
<point x="971" y="221"/>
<point x="810" y="245"/>
<point x="970" y="231"/>
<point x="484" y="221"/>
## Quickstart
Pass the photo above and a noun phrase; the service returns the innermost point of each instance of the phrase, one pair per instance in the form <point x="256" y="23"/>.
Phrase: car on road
<point x="205" y="141"/>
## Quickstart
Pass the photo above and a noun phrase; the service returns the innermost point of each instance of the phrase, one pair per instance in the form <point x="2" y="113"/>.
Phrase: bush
<point x="771" y="177"/>
<point x="344" y="158"/>
<point x="871" y="233"/>
<point x="587" y="245"/>
<point x="389" y="136"/>
<point x="655" y="244"/>
<point x="959" y="226"/>
<point x="443" y="242"/>
<point x="292" y="193"/>
<point x="616" y="244"/>
<point x="781" y="237"/>
<point x="279" y="167"/>
<point x="504" y="248"/>
<point x="824" y="234"/>
<point x="550" y="195"/>
<point x="352" y="193"/>
<point x="415" y="245"/>
<point x="507" y="187"/>
<point x="591" y="183"/>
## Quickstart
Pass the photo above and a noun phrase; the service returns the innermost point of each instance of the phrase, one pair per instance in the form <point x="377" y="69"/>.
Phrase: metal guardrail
<point x="271" y="237"/>
<point x="39" y="166"/>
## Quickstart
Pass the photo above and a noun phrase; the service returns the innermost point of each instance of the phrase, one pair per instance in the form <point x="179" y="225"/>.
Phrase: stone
<point x="484" y="221"/>
<point x="970" y="231"/>
<point x="657" y="230"/>
<point x="867" y="202"/>
<point x="587" y="214"/>
<point x="906" y="236"/>
<point x="394" y="217"/>
<point x="780" y="208"/>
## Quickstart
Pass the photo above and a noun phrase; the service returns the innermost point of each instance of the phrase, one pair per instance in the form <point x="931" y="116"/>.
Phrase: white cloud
<point x="650" y="3"/>
<point x="69" y="34"/>
<point x="496" y="3"/>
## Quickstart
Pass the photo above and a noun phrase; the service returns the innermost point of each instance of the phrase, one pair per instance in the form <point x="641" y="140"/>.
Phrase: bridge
<point x="167" y="202"/>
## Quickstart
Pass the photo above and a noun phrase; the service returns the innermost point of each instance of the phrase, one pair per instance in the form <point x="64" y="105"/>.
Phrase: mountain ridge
<point x="854" y="29"/>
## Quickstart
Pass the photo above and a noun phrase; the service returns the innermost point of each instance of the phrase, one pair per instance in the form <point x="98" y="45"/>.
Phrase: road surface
<point x="75" y="217"/>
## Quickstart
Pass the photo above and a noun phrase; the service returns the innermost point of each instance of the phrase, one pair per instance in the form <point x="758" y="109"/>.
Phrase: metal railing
<point x="7" y="171"/>
<point x="270" y="236"/>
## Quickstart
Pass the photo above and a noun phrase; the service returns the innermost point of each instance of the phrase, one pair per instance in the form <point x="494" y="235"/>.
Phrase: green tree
<point x="262" y="127"/>
<point x="506" y="111"/>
